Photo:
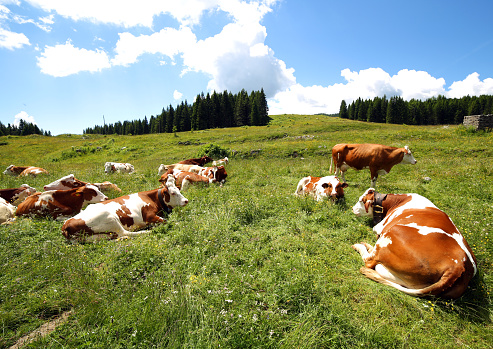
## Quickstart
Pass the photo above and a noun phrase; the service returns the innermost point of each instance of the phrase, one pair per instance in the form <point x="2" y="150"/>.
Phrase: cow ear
<point x="344" y="185"/>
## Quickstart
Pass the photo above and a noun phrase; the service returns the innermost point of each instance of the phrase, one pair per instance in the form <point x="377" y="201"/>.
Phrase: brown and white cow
<point x="183" y="179"/>
<point x="69" y="182"/>
<point x="22" y="171"/>
<point x="219" y="162"/>
<point x="377" y="157"/>
<point x="17" y="195"/>
<point x="122" y="216"/>
<point x="321" y="187"/>
<point x="60" y="204"/>
<point x="419" y="250"/>
<point x="7" y="211"/>
<point x="197" y="161"/>
<point x="182" y="167"/>
<point x="121" y="167"/>
<point x="217" y="173"/>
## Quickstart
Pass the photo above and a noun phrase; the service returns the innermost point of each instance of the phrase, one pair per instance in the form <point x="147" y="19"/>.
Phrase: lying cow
<point x="197" y="161"/>
<point x="122" y="216"/>
<point x="60" y="204"/>
<point x="321" y="187"/>
<point x="217" y="173"/>
<point x="17" y="195"/>
<point x="224" y="161"/>
<point x="419" y="250"/>
<point x="182" y="167"/>
<point x="7" y="211"/>
<point x="23" y="171"/>
<point x="110" y="167"/>
<point x="183" y="179"/>
<point x="378" y="158"/>
<point x="69" y="182"/>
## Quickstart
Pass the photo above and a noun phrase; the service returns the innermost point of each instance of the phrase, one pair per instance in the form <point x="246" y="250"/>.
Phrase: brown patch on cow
<point x="124" y="215"/>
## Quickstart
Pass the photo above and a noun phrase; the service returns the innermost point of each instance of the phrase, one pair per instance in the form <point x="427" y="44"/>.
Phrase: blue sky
<point x="66" y="63"/>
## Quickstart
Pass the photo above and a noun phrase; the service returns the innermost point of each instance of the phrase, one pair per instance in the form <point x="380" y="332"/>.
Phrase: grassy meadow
<point x="246" y="265"/>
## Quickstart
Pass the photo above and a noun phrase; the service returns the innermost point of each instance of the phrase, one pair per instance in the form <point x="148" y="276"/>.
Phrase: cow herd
<point x="418" y="251"/>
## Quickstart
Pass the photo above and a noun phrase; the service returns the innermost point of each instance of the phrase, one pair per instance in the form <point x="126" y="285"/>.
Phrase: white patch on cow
<point x="7" y="211"/>
<point x="387" y="274"/>
<point x="161" y="170"/>
<point x="456" y="236"/>
<point x="408" y="157"/>
<point x="57" y="185"/>
<point x="44" y="198"/>
<point x="384" y="241"/>
<point x="359" y="208"/>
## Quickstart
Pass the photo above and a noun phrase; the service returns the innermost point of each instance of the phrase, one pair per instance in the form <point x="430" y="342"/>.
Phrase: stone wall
<point x="480" y="122"/>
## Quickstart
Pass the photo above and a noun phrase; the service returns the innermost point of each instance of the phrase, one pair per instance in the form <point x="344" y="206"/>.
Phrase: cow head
<point x="207" y="159"/>
<point x="64" y="183"/>
<point x="173" y="197"/>
<point x="333" y="188"/>
<point x="408" y="157"/>
<point x="91" y="194"/>
<point x="364" y="206"/>
<point x="9" y="171"/>
<point x="28" y="190"/>
<point x="161" y="170"/>
<point x="220" y="174"/>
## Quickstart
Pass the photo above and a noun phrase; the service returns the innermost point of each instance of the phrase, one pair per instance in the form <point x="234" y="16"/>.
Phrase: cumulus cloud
<point x="365" y="84"/>
<point x="168" y="42"/>
<point x="65" y="59"/>
<point x="177" y="95"/>
<point x="11" y="40"/>
<point x="23" y="116"/>
<point x="127" y="13"/>
<point x="471" y="86"/>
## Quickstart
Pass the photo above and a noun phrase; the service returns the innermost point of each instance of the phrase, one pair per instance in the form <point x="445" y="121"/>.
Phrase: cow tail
<point x="331" y="163"/>
<point x="441" y="286"/>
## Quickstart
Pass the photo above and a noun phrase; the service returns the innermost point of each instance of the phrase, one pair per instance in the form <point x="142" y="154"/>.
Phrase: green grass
<point x="246" y="265"/>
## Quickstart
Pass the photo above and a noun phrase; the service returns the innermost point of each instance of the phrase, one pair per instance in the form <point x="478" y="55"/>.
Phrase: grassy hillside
<point x="247" y="264"/>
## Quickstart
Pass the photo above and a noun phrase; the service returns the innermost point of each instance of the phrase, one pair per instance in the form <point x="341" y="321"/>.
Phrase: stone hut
<point x="479" y="122"/>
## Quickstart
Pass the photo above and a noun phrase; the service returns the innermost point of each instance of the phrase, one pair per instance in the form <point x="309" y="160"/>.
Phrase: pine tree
<point x="343" y="112"/>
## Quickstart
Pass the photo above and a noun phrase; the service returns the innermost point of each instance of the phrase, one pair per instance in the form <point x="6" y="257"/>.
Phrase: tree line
<point x="214" y="110"/>
<point x="24" y="129"/>
<point x="433" y="111"/>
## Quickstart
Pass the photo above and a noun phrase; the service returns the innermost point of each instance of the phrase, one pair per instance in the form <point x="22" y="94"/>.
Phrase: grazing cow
<point x="197" y="161"/>
<point x="69" y="182"/>
<point x="22" y="171"/>
<point x="321" y="187"/>
<point x="121" y="216"/>
<point x="183" y="178"/>
<point x="7" y="211"/>
<point x="60" y="204"/>
<point x="419" y="250"/>
<point x="217" y="173"/>
<point x="378" y="158"/>
<point x="16" y="195"/>
<point x="224" y="161"/>
<point x="110" y="167"/>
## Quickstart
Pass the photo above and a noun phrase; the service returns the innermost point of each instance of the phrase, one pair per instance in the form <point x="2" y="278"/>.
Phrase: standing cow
<point x="378" y="158"/>
<point x="419" y="250"/>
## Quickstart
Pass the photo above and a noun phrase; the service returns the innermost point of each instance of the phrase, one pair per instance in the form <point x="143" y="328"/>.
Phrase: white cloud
<point x="127" y="13"/>
<point x="168" y="42"/>
<point x="63" y="60"/>
<point x="23" y="116"/>
<point x="11" y="40"/>
<point x="177" y="95"/>
<point x="471" y="86"/>
<point x="365" y="84"/>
